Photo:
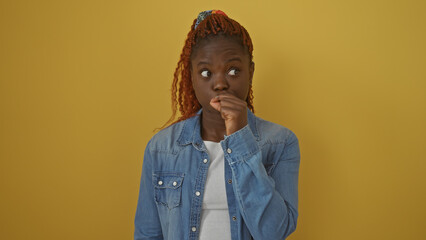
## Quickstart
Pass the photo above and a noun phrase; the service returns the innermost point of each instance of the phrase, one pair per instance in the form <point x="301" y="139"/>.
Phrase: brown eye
<point x="205" y="73"/>
<point x="233" y="72"/>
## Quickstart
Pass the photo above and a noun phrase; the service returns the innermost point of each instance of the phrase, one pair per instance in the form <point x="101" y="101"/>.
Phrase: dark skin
<point x="221" y="74"/>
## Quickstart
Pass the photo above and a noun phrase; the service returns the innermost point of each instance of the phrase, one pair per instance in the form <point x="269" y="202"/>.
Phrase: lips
<point x="223" y="93"/>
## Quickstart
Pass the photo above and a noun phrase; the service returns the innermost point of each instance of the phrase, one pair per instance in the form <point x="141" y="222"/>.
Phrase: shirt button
<point x="194" y="229"/>
<point x="229" y="150"/>
<point x="174" y="184"/>
<point x="197" y="193"/>
<point x="160" y="183"/>
<point x="229" y="181"/>
<point x="234" y="218"/>
<point x="205" y="160"/>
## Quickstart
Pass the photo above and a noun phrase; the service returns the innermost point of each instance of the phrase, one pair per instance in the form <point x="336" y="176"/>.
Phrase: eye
<point x="205" y="73"/>
<point x="234" y="71"/>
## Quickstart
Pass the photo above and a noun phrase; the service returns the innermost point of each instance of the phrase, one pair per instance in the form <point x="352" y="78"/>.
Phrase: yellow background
<point x="84" y="83"/>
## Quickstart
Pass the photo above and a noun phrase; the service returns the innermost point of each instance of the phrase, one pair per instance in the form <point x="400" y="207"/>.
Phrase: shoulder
<point x="273" y="132"/>
<point x="166" y="139"/>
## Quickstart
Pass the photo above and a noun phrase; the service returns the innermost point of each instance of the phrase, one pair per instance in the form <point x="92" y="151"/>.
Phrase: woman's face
<point x="220" y="65"/>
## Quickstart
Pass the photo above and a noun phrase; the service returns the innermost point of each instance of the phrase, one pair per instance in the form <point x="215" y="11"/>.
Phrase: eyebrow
<point x="229" y="60"/>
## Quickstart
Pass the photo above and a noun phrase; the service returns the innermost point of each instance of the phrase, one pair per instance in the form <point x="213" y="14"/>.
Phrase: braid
<point x="183" y="95"/>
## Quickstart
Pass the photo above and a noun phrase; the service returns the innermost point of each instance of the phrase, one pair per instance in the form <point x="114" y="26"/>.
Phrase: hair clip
<point x="204" y="14"/>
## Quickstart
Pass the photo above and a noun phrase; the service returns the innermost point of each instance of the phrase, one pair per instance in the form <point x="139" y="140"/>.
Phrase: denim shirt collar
<point x="191" y="130"/>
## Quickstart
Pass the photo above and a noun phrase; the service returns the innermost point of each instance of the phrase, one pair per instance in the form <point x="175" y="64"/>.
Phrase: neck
<point x="212" y="126"/>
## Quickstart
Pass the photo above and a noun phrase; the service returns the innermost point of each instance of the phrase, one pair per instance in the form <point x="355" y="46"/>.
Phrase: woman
<point x="218" y="171"/>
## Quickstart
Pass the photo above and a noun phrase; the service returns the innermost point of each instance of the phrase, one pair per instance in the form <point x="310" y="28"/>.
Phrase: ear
<point x="251" y="70"/>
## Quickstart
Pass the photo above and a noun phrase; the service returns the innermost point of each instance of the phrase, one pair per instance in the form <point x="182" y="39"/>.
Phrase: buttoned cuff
<point x="239" y="145"/>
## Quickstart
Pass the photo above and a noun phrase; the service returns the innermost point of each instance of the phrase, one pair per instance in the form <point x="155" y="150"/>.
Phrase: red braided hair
<point x="183" y="94"/>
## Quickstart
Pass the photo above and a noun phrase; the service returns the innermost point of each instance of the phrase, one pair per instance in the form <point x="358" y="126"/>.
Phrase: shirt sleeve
<point x="147" y="222"/>
<point x="268" y="203"/>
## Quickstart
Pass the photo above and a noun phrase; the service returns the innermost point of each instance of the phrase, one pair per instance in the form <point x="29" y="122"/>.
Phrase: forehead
<point x="218" y="46"/>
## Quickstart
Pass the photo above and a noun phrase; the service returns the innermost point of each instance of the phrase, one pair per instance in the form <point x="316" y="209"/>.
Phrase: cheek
<point x="198" y="90"/>
<point x="243" y="90"/>
<point x="246" y="93"/>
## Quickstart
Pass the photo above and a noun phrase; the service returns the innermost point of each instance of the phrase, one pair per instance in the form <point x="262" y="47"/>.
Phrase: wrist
<point x="234" y="128"/>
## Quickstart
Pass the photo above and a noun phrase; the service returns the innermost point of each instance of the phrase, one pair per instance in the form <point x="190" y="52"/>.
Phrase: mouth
<point x="223" y="93"/>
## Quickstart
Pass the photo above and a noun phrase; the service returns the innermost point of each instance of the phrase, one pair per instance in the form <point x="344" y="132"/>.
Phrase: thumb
<point x="215" y="103"/>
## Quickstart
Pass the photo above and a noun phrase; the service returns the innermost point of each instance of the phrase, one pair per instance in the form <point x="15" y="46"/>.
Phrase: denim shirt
<point x="261" y="175"/>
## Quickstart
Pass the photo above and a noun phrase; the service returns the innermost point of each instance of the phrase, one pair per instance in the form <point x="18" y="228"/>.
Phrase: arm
<point x="268" y="204"/>
<point x="147" y="222"/>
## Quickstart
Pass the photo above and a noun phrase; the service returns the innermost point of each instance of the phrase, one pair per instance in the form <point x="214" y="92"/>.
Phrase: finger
<point x="226" y="96"/>
<point x="231" y="112"/>
<point x="215" y="98"/>
<point x="236" y="105"/>
<point x="216" y="106"/>
<point x="215" y="103"/>
<point x="228" y="100"/>
<point x="232" y="99"/>
<point x="232" y="109"/>
<point x="233" y="102"/>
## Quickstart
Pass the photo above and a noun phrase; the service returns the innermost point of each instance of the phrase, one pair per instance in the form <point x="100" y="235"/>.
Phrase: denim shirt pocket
<point x="168" y="188"/>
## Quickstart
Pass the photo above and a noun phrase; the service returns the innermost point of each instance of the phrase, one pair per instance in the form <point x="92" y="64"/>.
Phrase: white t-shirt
<point x="215" y="223"/>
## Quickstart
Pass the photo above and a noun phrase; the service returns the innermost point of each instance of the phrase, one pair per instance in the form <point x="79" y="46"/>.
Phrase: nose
<point x="220" y="83"/>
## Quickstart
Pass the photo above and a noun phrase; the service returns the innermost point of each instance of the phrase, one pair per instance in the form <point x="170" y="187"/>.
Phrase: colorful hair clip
<point x="204" y="14"/>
